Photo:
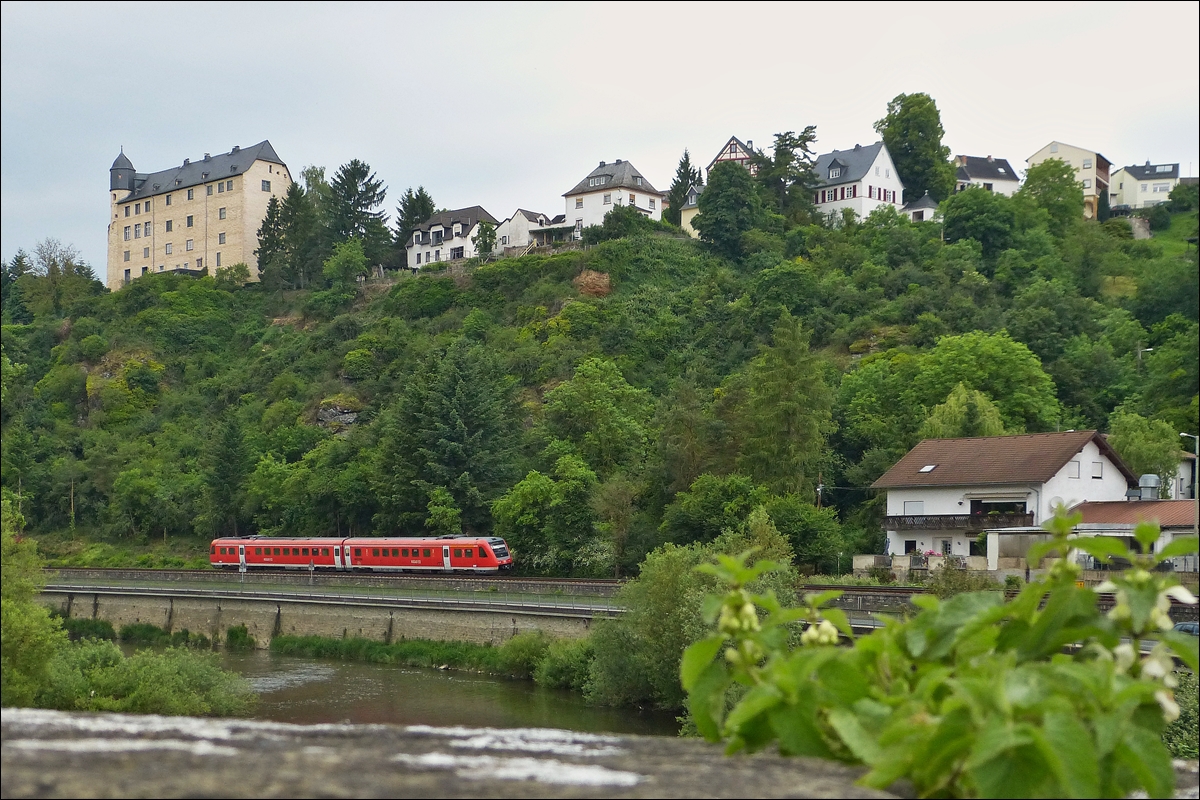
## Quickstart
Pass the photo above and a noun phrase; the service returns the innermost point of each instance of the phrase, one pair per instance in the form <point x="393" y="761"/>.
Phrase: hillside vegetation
<point x="591" y="405"/>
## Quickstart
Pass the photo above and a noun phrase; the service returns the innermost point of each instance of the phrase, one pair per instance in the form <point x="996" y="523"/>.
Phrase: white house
<point x="608" y="185"/>
<point x="923" y="209"/>
<point x="994" y="174"/>
<point x="1091" y="170"/>
<point x="862" y="180"/>
<point x="944" y="492"/>
<point x="446" y="236"/>
<point x="1142" y="186"/>
<point x="526" y="229"/>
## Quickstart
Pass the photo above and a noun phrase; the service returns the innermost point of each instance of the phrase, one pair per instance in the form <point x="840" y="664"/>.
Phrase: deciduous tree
<point x="912" y="131"/>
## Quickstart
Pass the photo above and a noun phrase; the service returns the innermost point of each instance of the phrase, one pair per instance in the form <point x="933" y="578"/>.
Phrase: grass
<point x="143" y="633"/>
<point x="1174" y="239"/>
<point x="90" y="549"/>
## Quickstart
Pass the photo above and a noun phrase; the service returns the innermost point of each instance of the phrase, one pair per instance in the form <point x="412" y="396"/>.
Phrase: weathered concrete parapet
<point x="59" y="754"/>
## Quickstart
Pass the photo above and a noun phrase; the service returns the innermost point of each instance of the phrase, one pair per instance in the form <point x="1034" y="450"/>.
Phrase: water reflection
<point x="309" y="691"/>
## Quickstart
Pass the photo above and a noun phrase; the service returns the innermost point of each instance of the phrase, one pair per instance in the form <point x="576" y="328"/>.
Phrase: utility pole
<point x="1141" y="350"/>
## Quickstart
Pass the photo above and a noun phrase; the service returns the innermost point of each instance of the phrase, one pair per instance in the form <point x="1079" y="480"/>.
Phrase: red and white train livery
<point x="404" y="554"/>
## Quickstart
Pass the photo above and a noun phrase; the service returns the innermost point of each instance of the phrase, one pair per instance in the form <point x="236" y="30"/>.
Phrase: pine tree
<point x="227" y="465"/>
<point x="270" y="239"/>
<point x="686" y="176"/>
<point x="354" y="199"/>
<point x="787" y="414"/>
<point x="415" y="208"/>
<point x="302" y="249"/>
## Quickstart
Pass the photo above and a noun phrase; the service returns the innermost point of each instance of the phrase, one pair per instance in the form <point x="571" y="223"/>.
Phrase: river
<point x="309" y="691"/>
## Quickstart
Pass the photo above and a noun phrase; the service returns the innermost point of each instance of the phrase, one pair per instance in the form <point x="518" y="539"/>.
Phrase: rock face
<point x="59" y="754"/>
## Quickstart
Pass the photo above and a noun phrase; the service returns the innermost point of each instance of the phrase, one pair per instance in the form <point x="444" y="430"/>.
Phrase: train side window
<point x="467" y="552"/>
<point x="276" y="551"/>
<point x="287" y="551"/>
<point x="324" y="551"/>
<point x="404" y="552"/>
<point x="395" y="552"/>
<point x="458" y="552"/>
<point x="358" y="552"/>
<point x="258" y="551"/>
<point x="427" y="552"/>
<point x="483" y="553"/>
<point x="304" y="551"/>
<point x="222" y="551"/>
<point x="375" y="552"/>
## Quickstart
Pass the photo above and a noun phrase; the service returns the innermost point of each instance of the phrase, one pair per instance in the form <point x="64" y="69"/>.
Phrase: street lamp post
<point x="1141" y="350"/>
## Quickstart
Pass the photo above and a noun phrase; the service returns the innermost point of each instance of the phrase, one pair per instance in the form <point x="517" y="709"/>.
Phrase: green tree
<point x="355" y="197"/>
<point x="987" y="217"/>
<point x="271" y="244"/>
<point x="912" y="131"/>
<point x="787" y="413"/>
<point x="302" y="247"/>
<point x="485" y="240"/>
<point x="415" y="208"/>
<point x="445" y="519"/>
<point x="710" y="505"/>
<point x="1052" y="186"/>
<point x="965" y="413"/>
<point x="787" y="176"/>
<point x="1184" y="197"/>
<point x="601" y="416"/>
<point x="728" y="208"/>
<point x="1103" y="209"/>
<point x="686" y="176"/>
<point x="348" y="262"/>
<point x="549" y="522"/>
<point x="227" y="464"/>
<point x="613" y="503"/>
<point x="1147" y="446"/>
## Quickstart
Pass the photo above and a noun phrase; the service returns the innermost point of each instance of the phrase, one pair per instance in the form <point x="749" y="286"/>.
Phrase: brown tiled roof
<point x="1168" y="513"/>
<point x="1028" y="458"/>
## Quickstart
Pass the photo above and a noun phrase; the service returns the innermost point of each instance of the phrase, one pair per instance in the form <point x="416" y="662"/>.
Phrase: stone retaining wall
<point x="267" y="618"/>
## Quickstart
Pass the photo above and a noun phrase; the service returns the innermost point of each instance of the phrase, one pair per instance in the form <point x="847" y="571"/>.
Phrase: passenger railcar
<point x="392" y="554"/>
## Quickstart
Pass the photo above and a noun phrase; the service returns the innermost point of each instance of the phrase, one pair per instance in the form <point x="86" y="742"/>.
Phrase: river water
<point x="306" y="691"/>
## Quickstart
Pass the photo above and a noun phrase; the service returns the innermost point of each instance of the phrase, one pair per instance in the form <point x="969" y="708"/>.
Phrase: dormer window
<point x="1000" y="170"/>
<point x="638" y="180"/>
<point x="928" y="468"/>
<point x="836" y="172"/>
<point x="1163" y="168"/>
<point x="591" y="181"/>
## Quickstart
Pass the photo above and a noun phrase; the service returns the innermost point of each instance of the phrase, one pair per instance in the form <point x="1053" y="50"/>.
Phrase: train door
<point x="337" y="557"/>
<point x="242" y="557"/>
<point x="445" y="558"/>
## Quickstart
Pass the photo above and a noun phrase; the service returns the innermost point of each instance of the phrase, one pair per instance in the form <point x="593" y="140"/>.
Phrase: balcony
<point x="959" y="522"/>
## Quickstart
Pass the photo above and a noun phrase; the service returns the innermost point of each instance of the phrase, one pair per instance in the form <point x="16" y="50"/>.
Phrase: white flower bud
<point x="1168" y="705"/>
<point x="1124" y="656"/>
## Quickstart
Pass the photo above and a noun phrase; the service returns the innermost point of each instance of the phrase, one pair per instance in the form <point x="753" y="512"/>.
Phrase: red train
<point x="404" y="554"/>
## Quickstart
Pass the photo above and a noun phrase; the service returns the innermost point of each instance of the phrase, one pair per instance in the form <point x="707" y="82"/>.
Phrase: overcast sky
<point x="509" y="106"/>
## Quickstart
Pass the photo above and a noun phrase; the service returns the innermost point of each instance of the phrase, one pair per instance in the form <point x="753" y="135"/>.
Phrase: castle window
<point x="221" y="213"/>
<point x="220" y="238"/>
<point x="220" y="188"/>
<point x="266" y="186"/>
<point x="168" y="199"/>
<point x="128" y="231"/>
<point x="219" y="256"/>
<point x="191" y="194"/>
<point x="229" y="186"/>
<point x="170" y="225"/>
<point x="127" y="274"/>
<point x="199" y="263"/>
<point x="146" y="228"/>
<point x="145" y="270"/>
<point x="169" y="248"/>
<point x="190" y="220"/>
<point x="190" y="245"/>
<point x="208" y="189"/>
<point x="126" y="258"/>
<point x="137" y="230"/>
<point x="127" y="211"/>
<point x="137" y="208"/>
<point x="145" y="252"/>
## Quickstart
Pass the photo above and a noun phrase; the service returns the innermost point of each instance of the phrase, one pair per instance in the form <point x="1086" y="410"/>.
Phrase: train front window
<point x="214" y="550"/>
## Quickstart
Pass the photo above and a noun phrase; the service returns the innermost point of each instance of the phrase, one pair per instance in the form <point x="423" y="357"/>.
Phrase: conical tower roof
<point x="122" y="162"/>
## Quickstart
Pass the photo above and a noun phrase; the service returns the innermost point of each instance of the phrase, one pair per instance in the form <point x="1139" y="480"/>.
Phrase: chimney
<point x="207" y="157"/>
<point x="187" y="161"/>
<point x="602" y="163"/>
<point x="1149" y="484"/>
<point x="857" y="146"/>
<point x="990" y="159"/>
<point x="749" y="144"/>
<point x="618" y="161"/>
<point x="235" y="148"/>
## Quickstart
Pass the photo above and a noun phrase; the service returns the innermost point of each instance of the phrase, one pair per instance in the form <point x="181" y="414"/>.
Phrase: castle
<point x="193" y="218"/>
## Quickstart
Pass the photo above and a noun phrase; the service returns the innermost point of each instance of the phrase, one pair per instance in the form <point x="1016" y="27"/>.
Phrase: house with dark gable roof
<point x="446" y="236"/>
<point x="985" y="172"/>
<point x="199" y="216"/>
<point x="944" y="492"/>
<point x="861" y="179"/>
<point x="608" y="185"/>
<point x="526" y="229"/>
<point x="1142" y="186"/>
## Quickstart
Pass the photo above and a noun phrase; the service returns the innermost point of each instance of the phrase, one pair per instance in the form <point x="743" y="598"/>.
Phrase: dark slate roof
<point x="855" y="164"/>
<point x="122" y="162"/>
<point x="532" y="216"/>
<point x="218" y="167"/>
<point x="695" y="189"/>
<point x="981" y="168"/>
<point x="620" y="174"/>
<point x="925" y="201"/>
<point x="467" y="216"/>
<point x="1028" y="458"/>
<point x="743" y="147"/>
<point x="1168" y="513"/>
<point x="1147" y="171"/>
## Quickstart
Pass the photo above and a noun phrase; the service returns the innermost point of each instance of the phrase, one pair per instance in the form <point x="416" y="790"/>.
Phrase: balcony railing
<point x="961" y="522"/>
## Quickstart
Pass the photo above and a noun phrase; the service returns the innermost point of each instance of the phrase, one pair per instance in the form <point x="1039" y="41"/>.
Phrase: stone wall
<point x="267" y="618"/>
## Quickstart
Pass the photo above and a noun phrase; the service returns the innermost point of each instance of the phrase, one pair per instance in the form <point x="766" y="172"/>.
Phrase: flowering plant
<point x="973" y="696"/>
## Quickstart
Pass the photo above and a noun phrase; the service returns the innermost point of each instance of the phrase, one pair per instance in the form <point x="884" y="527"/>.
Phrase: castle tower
<point x="121" y="174"/>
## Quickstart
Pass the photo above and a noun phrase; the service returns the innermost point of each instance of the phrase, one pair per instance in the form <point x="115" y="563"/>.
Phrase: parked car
<point x="1188" y="627"/>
